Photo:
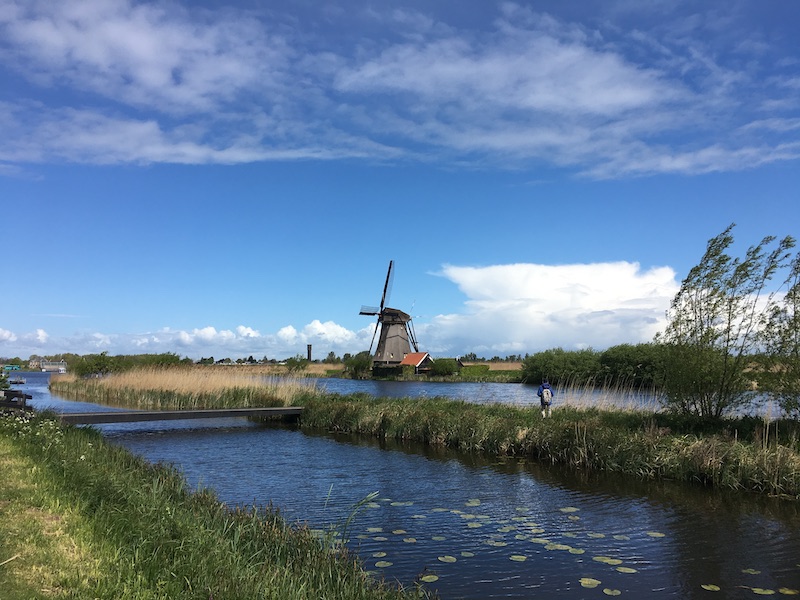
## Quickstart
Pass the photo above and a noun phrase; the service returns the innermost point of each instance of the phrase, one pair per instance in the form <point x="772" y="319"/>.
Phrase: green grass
<point x="743" y="454"/>
<point x="747" y="454"/>
<point x="81" y="518"/>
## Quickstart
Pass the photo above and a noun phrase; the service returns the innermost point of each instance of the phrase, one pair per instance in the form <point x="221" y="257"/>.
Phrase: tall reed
<point x="587" y="430"/>
<point x="182" y="388"/>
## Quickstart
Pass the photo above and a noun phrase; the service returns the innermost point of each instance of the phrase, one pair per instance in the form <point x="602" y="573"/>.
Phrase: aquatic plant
<point x="587" y="430"/>
<point x="136" y="531"/>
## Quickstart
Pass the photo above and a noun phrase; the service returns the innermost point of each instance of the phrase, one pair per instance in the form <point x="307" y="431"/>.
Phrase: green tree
<point x="444" y="367"/>
<point x="636" y="365"/>
<point x="561" y="367"/>
<point x="296" y="364"/>
<point x="781" y="375"/>
<point x="358" y="366"/>
<point x="715" y="326"/>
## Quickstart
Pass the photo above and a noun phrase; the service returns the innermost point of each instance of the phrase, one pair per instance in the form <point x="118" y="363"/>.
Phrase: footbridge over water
<point x="94" y="418"/>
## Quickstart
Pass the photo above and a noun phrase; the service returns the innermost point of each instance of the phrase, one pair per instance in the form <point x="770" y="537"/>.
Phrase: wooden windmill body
<point x="397" y="337"/>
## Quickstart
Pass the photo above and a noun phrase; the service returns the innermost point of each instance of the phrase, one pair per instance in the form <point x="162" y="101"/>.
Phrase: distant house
<point x="53" y="366"/>
<point x="421" y="361"/>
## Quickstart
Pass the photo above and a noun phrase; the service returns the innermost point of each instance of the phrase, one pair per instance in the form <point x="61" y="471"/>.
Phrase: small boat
<point x="17" y="381"/>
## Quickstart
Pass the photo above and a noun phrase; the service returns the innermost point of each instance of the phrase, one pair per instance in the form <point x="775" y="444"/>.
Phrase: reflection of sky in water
<point x="514" y="530"/>
<point x="521" y="530"/>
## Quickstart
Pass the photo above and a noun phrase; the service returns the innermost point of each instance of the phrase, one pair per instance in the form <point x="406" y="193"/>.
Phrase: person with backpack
<point x="545" y="394"/>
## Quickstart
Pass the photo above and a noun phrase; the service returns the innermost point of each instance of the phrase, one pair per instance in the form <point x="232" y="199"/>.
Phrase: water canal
<point x="485" y="528"/>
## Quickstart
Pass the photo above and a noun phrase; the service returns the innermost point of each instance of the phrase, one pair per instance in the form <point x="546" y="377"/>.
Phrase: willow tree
<point x="781" y="378"/>
<point x="716" y="323"/>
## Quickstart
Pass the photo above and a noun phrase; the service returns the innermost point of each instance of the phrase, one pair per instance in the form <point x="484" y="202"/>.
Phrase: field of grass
<point x="83" y="519"/>
<point x="748" y="453"/>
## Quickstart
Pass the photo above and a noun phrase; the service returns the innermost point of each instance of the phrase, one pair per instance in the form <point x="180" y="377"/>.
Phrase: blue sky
<point x="233" y="179"/>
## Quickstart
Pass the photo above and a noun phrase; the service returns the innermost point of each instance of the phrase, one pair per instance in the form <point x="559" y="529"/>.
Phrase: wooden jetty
<point x="14" y="399"/>
<point x="94" y="418"/>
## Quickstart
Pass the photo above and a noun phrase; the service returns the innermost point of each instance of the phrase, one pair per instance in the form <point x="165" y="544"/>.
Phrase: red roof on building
<point x="414" y="359"/>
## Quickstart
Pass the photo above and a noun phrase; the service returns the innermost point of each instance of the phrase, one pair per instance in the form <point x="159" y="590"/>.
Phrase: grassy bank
<point x="750" y="454"/>
<point x="80" y="518"/>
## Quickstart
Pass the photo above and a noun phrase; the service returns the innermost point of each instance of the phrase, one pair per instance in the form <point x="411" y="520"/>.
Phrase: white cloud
<point x="508" y="309"/>
<point x="7" y="336"/>
<point x="526" y="308"/>
<point x="247" y="332"/>
<point x="163" y="83"/>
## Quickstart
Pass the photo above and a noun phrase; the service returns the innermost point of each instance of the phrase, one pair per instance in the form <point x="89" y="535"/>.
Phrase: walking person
<point x="545" y="394"/>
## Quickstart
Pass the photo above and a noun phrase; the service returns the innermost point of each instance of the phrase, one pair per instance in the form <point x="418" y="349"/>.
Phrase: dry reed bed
<point x="183" y="389"/>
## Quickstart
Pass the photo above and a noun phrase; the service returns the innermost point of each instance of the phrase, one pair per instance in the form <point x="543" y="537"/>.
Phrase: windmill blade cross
<point x="373" y="334"/>
<point x="387" y="287"/>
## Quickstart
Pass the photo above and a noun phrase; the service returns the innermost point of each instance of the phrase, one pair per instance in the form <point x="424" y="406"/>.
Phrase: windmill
<point x="397" y="336"/>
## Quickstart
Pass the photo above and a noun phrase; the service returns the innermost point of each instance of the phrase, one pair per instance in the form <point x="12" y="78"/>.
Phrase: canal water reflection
<point x="479" y="528"/>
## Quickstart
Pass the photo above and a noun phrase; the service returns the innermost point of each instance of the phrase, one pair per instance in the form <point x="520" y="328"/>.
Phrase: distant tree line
<point x="103" y="364"/>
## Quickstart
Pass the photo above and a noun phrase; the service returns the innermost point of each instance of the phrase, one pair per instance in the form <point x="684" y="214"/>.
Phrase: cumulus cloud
<point x="7" y="336"/>
<point x="521" y="308"/>
<point x="508" y="309"/>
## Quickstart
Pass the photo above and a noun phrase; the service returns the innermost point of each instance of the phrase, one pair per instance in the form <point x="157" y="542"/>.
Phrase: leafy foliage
<point x="716" y="326"/>
<point x="444" y="367"/>
<point x="358" y="366"/>
<point x="781" y="375"/>
<point x="103" y="364"/>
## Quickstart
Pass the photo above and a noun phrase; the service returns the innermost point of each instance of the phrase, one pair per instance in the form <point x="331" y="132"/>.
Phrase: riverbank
<point x="739" y="454"/>
<point x="81" y="518"/>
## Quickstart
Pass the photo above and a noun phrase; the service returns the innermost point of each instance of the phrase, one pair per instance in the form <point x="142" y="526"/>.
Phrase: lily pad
<point x="536" y="530"/>
<point x="467" y="554"/>
<point x="607" y="560"/>
<point x="473" y="502"/>
<point x="410" y="540"/>
<point x="557" y="547"/>
<point x="569" y="509"/>
<point x="763" y="591"/>
<point x="656" y="534"/>
<point x="438" y="538"/>
<point x="381" y="564"/>
<point x="788" y="591"/>
<point x="626" y="570"/>
<point x="447" y="559"/>
<point x="751" y="571"/>
<point x="596" y="535"/>
<point x="429" y="578"/>
<point x="474" y="524"/>
<point x="588" y="582"/>
<point x="576" y="550"/>
<point x="399" y="531"/>
<point x="710" y="587"/>
<point x="378" y="554"/>
<point x="610" y="592"/>
<point x="518" y="557"/>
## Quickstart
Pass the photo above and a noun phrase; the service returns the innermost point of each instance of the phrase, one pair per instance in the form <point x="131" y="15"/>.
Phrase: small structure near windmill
<point x="397" y="338"/>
